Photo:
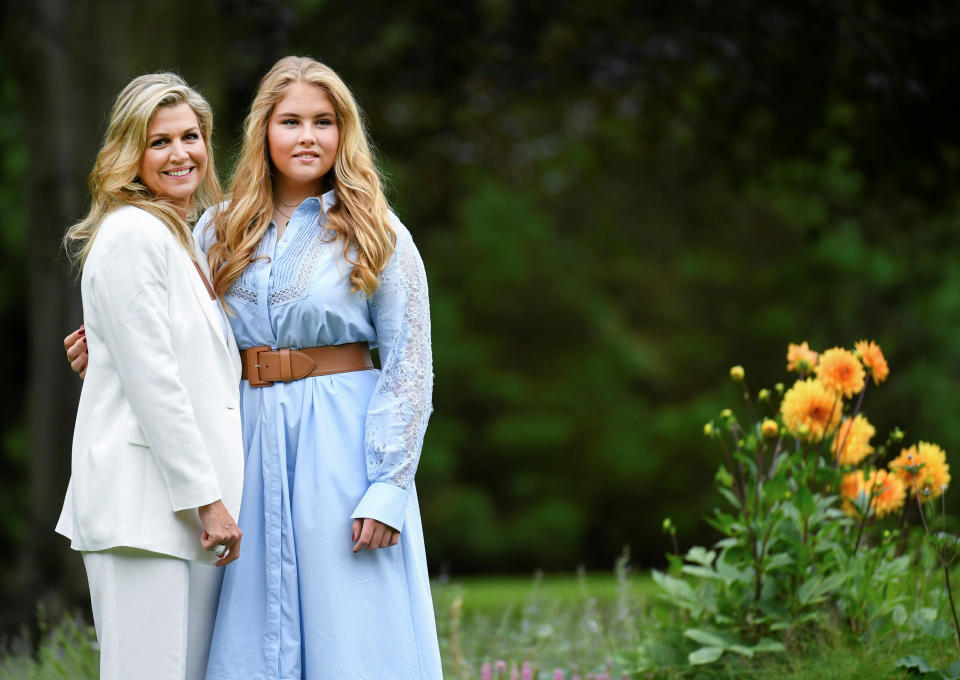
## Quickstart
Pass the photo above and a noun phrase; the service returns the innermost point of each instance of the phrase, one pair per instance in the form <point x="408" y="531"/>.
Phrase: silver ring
<point x="219" y="549"/>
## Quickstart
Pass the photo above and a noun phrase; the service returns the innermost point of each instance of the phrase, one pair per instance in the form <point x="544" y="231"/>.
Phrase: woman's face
<point x="175" y="158"/>
<point x="302" y="137"/>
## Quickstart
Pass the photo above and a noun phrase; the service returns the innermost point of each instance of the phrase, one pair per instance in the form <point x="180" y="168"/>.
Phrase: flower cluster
<point x="812" y="410"/>
<point x="819" y="407"/>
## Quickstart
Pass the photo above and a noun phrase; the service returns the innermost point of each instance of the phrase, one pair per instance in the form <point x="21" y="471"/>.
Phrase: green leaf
<point x="705" y="655"/>
<point x="779" y="560"/>
<point x="742" y="650"/>
<point x="674" y="586"/>
<point x="768" y="645"/>
<point x="731" y="498"/>
<point x="808" y="589"/>
<point x="914" y="663"/>
<point x="805" y="501"/>
<point x="699" y="555"/>
<point x="705" y="637"/>
<point x="776" y="489"/>
<point x="702" y="572"/>
<point x="723" y="477"/>
<point x="899" y="615"/>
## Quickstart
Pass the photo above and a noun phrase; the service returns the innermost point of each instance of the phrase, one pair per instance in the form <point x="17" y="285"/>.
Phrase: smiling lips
<point x="180" y="172"/>
<point x="307" y="155"/>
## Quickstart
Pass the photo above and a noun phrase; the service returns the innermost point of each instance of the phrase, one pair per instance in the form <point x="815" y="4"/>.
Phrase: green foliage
<point x="917" y="665"/>
<point x="67" y="651"/>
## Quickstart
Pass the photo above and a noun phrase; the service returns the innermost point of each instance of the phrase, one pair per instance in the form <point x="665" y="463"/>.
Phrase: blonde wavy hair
<point x="115" y="181"/>
<point x="360" y="217"/>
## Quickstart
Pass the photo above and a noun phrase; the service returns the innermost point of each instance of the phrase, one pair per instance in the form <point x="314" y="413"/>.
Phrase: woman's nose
<point x="178" y="152"/>
<point x="308" y="134"/>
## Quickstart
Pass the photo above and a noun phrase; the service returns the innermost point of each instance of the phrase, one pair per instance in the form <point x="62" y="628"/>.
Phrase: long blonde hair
<point x="360" y="217"/>
<point x="115" y="181"/>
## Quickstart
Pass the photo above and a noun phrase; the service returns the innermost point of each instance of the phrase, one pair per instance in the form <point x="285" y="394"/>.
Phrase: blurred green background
<point x="615" y="201"/>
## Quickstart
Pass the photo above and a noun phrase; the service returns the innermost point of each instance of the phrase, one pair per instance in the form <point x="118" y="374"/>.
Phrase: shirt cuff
<point x="385" y="503"/>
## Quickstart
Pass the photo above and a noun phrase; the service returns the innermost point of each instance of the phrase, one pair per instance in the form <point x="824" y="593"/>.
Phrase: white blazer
<point x="158" y="424"/>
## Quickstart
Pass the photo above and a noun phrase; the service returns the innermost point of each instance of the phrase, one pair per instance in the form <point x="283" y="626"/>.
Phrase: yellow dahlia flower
<point x="873" y="359"/>
<point x="810" y="410"/>
<point x="885" y="490"/>
<point x="801" y="358"/>
<point x="854" y="436"/>
<point x="840" y="370"/>
<point x="922" y="467"/>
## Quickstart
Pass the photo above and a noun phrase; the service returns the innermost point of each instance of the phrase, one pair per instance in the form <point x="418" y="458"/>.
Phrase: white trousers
<point x="153" y="613"/>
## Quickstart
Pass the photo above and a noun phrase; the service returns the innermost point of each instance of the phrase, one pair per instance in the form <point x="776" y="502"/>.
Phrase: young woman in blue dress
<point x="316" y="270"/>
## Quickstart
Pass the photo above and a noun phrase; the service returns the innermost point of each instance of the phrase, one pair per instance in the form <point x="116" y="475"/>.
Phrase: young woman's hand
<point x="76" y="346"/>
<point x="219" y="529"/>
<point x="369" y="534"/>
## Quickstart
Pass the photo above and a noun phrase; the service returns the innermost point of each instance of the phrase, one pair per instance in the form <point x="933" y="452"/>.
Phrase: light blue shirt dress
<point x="299" y="604"/>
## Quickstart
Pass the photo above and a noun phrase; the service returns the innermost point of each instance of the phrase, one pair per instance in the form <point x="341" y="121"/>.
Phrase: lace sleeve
<point x="401" y="404"/>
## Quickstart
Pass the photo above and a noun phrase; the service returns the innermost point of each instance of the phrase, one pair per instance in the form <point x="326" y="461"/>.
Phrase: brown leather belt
<point x="262" y="366"/>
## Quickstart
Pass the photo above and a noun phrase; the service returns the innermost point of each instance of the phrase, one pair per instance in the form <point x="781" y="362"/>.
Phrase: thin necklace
<point x="277" y="208"/>
<point x="288" y="205"/>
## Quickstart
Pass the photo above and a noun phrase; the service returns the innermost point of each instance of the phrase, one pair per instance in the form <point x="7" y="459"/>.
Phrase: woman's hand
<point x="76" y="346"/>
<point x="369" y="534"/>
<point x="219" y="529"/>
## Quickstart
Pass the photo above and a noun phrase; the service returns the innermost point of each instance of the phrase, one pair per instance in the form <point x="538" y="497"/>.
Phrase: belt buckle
<point x="252" y="359"/>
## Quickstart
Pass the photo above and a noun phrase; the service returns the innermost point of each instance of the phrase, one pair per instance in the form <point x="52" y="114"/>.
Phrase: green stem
<point x="953" y="608"/>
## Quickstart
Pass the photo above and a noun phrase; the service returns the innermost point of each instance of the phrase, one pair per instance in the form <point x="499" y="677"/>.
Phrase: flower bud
<point x="763" y="395"/>
<point x="736" y="374"/>
<point x="769" y="428"/>
<point x="779" y="388"/>
<point x="708" y="429"/>
<point x="726" y="414"/>
<point x="896" y="435"/>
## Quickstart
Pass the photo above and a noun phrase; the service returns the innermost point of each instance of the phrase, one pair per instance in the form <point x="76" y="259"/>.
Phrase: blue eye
<point x="158" y="142"/>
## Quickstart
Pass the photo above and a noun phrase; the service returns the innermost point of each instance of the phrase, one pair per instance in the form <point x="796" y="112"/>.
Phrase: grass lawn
<point x="585" y="624"/>
<point x="487" y="594"/>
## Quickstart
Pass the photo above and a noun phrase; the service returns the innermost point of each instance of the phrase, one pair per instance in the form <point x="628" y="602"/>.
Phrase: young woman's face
<point x="175" y="158"/>
<point x="303" y="136"/>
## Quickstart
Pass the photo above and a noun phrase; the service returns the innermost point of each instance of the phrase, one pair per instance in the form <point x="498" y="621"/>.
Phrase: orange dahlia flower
<point x="810" y="411"/>
<point x="840" y="370"/>
<point x="922" y="467"/>
<point x="873" y="359"/>
<point x="854" y="436"/>
<point x="885" y="490"/>
<point x="801" y="358"/>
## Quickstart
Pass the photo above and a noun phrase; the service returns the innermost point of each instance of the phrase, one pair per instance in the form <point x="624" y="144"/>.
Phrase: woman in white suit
<point x="157" y="463"/>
